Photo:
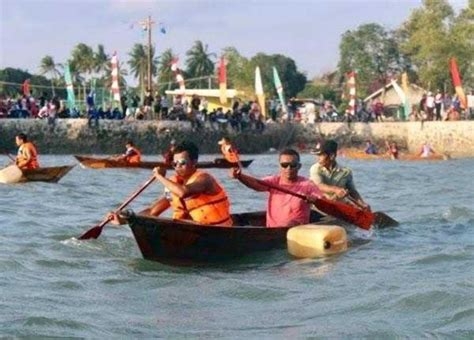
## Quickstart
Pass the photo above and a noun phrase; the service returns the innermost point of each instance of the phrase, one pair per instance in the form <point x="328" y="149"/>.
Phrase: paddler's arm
<point x="355" y="196"/>
<point x="203" y="184"/>
<point x="21" y="162"/>
<point x="248" y="181"/>
<point x="159" y="206"/>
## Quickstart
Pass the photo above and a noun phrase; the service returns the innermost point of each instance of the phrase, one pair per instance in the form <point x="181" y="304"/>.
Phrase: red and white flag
<point x="351" y="84"/>
<point x="115" y="83"/>
<point x="178" y="75"/>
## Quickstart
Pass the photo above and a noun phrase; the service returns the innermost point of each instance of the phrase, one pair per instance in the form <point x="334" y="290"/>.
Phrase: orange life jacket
<point x="202" y="208"/>
<point x="230" y="154"/>
<point x="136" y="157"/>
<point x="22" y="156"/>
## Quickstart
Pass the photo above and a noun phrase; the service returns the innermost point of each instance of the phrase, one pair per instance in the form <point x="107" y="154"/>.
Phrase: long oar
<point x="95" y="232"/>
<point x="361" y="218"/>
<point x="382" y="220"/>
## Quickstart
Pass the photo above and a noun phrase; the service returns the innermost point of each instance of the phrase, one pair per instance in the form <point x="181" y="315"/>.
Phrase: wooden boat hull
<point x="181" y="242"/>
<point x="105" y="163"/>
<point x="48" y="174"/>
<point x="361" y="155"/>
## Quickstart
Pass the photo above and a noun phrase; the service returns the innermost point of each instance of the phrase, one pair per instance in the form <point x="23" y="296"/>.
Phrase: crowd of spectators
<point x="242" y="116"/>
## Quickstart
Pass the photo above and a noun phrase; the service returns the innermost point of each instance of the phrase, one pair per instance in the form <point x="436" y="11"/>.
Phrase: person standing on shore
<point x="27" y="157"/>
<point x="334" y="181"/>
<point x="169" y="154"/>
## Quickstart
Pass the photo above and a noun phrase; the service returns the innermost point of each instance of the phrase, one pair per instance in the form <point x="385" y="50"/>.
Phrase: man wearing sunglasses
<point x="284" y="209"/>
<point x="195" y="195"/>
<point x="335" y="181"/>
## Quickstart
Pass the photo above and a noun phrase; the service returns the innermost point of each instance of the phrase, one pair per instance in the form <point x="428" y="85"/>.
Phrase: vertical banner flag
<point x="26" y="87"/>
<point x="71" y="101"/>
<point x="403" y="98"/>
<point x="351" y="84"/>
<point x="279" y="88"/>
<point x="178" y="76"/>
<point x="115" y="83"/>
<point x="453" y="65"/>
<point x="406" y="89"/>
<point x="222" y="81"/>
<point x="259" y="91"/>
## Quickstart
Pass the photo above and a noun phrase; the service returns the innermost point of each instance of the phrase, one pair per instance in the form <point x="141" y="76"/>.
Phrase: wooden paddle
<point x="361" y="218"/>
<point x="382" y="220"/>
<point x="95" y="231"/>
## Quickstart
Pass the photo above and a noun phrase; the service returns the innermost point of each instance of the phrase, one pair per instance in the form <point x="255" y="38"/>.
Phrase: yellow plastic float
<point x="10" y="174"/>
<point x="307" y="241"/>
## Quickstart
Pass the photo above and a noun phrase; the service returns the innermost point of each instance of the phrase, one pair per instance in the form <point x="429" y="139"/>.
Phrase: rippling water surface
<point x="416" y="280"/>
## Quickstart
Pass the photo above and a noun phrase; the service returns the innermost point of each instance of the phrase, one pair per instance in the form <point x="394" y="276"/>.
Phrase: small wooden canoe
<point x="48" y="174"/>
<point x="181" y="242"/>
<point x="103" y="163"/>
<point x="359" y="154"/>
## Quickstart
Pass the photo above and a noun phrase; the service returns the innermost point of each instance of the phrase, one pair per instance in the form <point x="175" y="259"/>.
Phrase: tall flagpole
<point x="147" y="26"/>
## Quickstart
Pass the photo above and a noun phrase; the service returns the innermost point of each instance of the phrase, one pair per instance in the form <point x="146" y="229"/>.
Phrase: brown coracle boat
<point x="105" y="163"/>
<point x="184" y="242"/>
<point x="361" y="155"/>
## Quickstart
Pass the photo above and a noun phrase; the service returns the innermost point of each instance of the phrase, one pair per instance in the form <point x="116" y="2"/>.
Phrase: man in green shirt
<point x="333" y="180"/>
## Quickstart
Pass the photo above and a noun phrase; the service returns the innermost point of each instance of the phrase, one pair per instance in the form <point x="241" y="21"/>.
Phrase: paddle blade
<point x="92" y="233"/>
<point x="361" y="218"/>
<point x="382" y="220"/>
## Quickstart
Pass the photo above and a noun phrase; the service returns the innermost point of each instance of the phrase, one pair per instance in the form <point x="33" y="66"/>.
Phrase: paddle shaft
<point x="96" y="230"/>
<point x="361" y="218"/>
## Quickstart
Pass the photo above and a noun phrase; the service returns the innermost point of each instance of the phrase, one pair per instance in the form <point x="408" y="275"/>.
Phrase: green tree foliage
<point x="165" y="74"/>
<point x="48" y="66"/>
<point x="199" y="63"/>
<point x="373" y="53"/>
<point x="101" y="59"/>
<point x="83" y="59"/>
<point x="139" y="63"/>
<point x="426" y="38"/>
<point x="462" y="32"/>
<point x="318" y="92"/>
<point x="17" y="76"/>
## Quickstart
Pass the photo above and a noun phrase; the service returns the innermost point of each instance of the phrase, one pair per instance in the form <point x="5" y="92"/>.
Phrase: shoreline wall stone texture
<point x="74" y="136"/>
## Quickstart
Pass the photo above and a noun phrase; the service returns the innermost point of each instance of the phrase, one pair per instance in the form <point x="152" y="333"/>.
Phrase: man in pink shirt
<point x="284" y="209"/>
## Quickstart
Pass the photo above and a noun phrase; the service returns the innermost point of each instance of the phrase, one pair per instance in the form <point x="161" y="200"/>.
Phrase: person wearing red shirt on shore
<point x="229" y="151"/>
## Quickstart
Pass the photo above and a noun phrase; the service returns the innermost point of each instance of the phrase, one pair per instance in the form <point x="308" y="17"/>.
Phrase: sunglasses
<point x="289" y="164"/>
<point x="180" y="162"/>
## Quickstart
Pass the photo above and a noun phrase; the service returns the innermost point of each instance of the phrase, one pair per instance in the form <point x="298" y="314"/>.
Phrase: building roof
<point x="203" y="92"/>
<point x="386" y="87"/>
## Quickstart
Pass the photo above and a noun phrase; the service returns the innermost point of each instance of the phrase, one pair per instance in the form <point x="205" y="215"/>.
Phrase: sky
<point x="308" y="31"/>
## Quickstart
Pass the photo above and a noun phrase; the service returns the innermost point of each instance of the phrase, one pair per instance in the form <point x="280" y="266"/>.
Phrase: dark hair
<point x="130" y="142"/>
<point x="23" y="137"/>
<point x="190" y="148"/>
<point x="290" y="152"/>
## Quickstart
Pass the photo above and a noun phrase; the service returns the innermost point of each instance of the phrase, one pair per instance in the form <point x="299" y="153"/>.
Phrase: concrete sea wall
<point x="74" y="136"/>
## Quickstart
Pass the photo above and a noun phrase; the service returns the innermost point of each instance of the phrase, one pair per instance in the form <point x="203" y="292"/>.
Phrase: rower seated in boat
<point x="284" y="209"/>
<point x="426" y="150"/>
<point x="194" y="195"/>
<point x="132" y="155"/>
<point x="27" y="157"/>
<point x="229" y="151"/>
<point x="334" y="180"/>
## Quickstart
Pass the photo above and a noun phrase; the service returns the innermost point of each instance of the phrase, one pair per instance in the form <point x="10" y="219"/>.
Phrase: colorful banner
<point x="403" y="99"/>
<point x="259" y="91"/>
<point x="351" y="84"/>
<point x="178" y="76"/>
<point x="222" y="81"/>
<point x="115" y="82"/>
<point x="453" y="66"/>
<point x="279" y="89"/>
<point x="71" y="101"/>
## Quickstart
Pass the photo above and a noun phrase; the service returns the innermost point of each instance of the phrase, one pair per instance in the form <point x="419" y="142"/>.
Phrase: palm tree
<point x="48" y="66"/>
<point x="101" y="59"/>
<point x="83" y="58"/>
<point x="164" y="70"/>
<point x="198" y="62"/>
<point x="139" y="63"/>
